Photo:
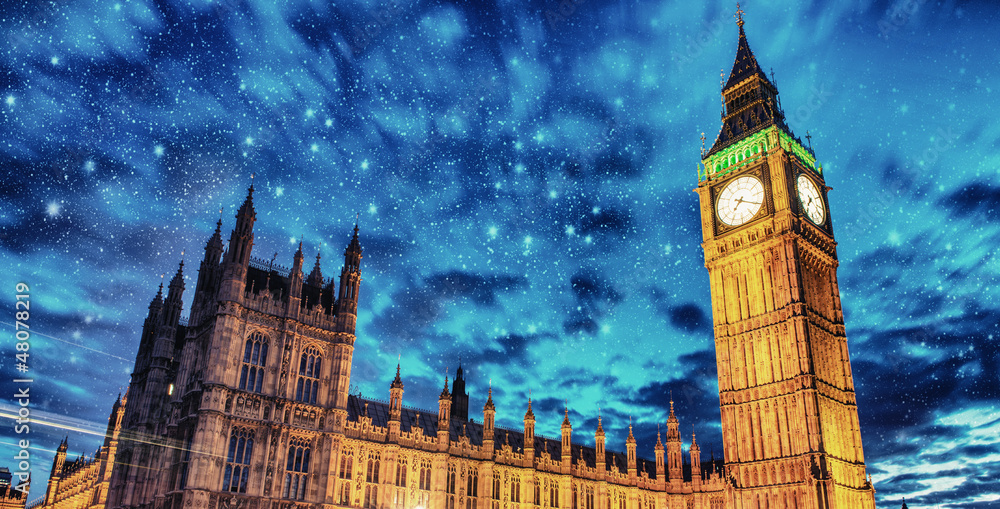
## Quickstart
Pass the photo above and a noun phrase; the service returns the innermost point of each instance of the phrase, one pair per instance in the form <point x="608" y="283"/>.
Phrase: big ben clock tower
<point x="789" y="415"/>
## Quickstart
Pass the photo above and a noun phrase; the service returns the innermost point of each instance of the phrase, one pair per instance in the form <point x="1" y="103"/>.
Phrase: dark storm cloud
<point x="977" y="200"/>
<point x="423" y="302"/>
<point x="606" y="221"/>
<point x="689" y="318"/>
<point x="594" y="297"/>
<point x="934" y="370"/>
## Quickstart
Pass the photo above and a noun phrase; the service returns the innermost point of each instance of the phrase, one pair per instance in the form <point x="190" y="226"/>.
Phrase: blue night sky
<point x="523" y="174"/>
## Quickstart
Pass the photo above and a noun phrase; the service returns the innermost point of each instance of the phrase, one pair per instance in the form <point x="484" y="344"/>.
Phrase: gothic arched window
<point x="254" y="359"/>
<point x="296" y="469"/>
<point x="238" y="460"/>
<point x="307" y="386"/>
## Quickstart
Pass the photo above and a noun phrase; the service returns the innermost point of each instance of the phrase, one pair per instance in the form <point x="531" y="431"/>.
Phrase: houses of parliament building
<point x="246" y="405"/>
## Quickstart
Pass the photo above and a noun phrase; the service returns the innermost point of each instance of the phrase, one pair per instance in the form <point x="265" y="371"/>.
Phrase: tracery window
<point x="496" y="486"/>
<point x="346" y="465"/>
<point x="307" y="386"/>
<point x="371" y="496"/>
<point x="296" y="469"/>
<point x="237" y="470"/>
<point x="450" y="481"/>
<point x="254" y="359"/>
<point x="425" y="475"/>
<point x="373" y="466"/>
<point x="401" y="472"/>
<point x="472" y="488"/>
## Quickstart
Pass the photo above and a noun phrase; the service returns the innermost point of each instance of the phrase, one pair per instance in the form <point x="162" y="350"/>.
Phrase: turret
<point x="601" y="459"/>
<point x="57" y="468"/>
<point x="237" y="258"/>
<point x="395" y="406"/>
<point x="173" y="305"/>
<point x="459" y="398"/>
<point x="567" y="435"/>
<point x="350" y="283"/>
<point x="659" y="455"/>
<point x="695" y="463"/>
<point x="444" y="416"/>
<point x="149" y="328"/>
<point x="295" y="277"/>
<point x="630" y="452"/>
<point x="209" y="273"/>
<point x="675" y="466"/>
<point x="529" y="435"/>
<point x="489" y="413"/>
<point x="316" y="276"/>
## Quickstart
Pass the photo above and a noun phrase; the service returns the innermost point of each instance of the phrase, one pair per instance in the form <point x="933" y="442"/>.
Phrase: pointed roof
<point x="355" y="245"/>
<point x="444" y="392"/>
<point x="216" y="241"/>
<point x="246" y="210"/>
<point x="297" y="261"/>
<point x="631" y="438"/>
<point x="600" y="427"/>
<point x="745" y="64"/>
<point x="489" y="399"/>
<point x="751" y="109"/>
<point x="397" y="383"/>
<point x="529" y="415"/>
<point x="157" y="301"/>
<point x="316" y="276"/>
<point x="566" y="419"/>
<point x="178" y="280"/>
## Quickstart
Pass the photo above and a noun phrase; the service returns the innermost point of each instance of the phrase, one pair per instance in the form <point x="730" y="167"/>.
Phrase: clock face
<point x="740" y="200"/>
<point x="812" y="201"/>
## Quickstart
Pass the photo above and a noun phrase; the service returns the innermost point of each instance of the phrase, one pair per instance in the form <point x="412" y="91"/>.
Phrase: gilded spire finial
<point x="739" y="15"/>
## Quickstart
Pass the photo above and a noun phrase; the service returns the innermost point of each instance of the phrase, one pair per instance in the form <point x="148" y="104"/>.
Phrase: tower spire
<point x="750" y="99"/>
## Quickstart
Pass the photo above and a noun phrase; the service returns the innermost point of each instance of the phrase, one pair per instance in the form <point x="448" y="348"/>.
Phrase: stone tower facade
<point x="251" y="394"/>
<point x="789" y="416"/>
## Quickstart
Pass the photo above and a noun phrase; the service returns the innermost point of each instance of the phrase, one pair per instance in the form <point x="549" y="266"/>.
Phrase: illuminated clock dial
<point x="812" y="201"/>
<point x="740" y="200"/>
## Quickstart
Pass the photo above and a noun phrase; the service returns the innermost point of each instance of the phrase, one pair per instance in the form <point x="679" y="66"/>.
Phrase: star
<point x="53" y="209"/>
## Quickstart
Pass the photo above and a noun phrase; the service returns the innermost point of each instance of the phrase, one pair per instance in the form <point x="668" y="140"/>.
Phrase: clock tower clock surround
<point x="789" y="414"/>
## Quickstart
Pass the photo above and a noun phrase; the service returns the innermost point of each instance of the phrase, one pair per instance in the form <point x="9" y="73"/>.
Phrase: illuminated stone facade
<point x="789" y="416"/>
<point x="246" y="406"/>
<point x="11" y="497"/>
<point x="84" y="481"/>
